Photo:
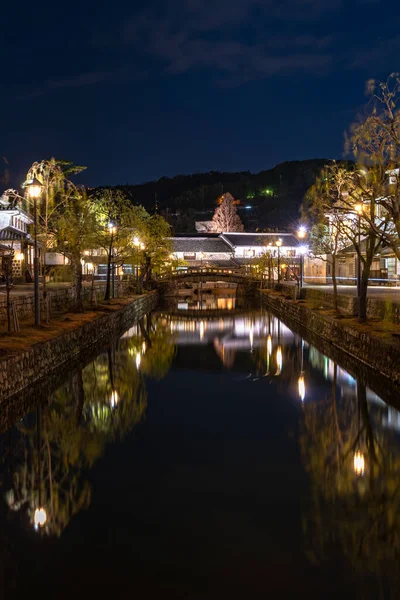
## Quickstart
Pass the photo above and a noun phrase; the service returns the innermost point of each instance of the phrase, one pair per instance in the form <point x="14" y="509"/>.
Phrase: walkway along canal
<point x="216" y="454"/>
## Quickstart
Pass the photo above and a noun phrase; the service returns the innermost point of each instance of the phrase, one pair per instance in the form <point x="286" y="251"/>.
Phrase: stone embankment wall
<point x="23" y="369"/>
<point x="60" y="300"/>
<point x="383" y="357"/>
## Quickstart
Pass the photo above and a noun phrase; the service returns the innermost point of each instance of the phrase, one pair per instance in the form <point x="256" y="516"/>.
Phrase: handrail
<point x="208" y="271"/>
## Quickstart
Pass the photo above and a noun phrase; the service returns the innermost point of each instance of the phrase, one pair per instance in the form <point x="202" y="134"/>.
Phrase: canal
<point x="208" y="454"/>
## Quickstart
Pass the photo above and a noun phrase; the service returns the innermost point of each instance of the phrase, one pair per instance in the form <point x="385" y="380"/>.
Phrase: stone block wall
<point x="60" y="300"/>
<point x="347" y="304"/>
<point x="23" y="369"/>
<point x="380" y="355"/>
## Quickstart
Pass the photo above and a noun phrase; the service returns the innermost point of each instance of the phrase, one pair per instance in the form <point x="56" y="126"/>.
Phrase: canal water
<point x="209" y="454"/>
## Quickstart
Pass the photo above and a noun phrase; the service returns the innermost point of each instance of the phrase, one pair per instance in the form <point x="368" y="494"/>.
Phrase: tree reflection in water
<point x="100" y="403"/>
<point x="354" y="465"/>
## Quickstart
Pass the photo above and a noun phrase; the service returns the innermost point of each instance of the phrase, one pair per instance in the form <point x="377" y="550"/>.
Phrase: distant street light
<point x="359" y="463"/>
<point x="136" y="243"/>
<point x="112" y="229"/>
<point x="34" y="188"/>
<point x="39" y="518"/>
<point x="279" y="244"/>
<point x="301" y="234"/>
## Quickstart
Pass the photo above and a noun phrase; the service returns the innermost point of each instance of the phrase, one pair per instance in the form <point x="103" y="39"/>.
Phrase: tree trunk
<point x="108" y="281"/>
<point x="77" y="280"/>
<point x="334" y="282"/>
<point x="362" y="299"/>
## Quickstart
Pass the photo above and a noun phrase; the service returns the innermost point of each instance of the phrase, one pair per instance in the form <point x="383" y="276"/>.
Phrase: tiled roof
<point x="200" y="244"/>
<point x="9" y="233"/>
<point x="260" y="239"/>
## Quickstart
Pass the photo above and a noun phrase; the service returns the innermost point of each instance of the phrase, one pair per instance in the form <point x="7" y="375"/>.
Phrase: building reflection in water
<point x="349" y="436"/>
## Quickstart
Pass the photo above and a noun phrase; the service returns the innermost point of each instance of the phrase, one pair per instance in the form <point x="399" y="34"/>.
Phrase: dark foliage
<point x="274" y="195"/>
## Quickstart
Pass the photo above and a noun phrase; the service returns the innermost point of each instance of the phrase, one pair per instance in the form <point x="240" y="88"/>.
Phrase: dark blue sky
<point x="181" y="86"/>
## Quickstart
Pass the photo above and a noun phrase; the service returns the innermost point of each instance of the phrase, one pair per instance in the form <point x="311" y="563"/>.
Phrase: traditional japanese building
<point x="14" y="235"/>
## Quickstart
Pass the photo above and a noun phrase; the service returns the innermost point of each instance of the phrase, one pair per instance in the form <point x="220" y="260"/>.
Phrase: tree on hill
<point x="225" y="216"/>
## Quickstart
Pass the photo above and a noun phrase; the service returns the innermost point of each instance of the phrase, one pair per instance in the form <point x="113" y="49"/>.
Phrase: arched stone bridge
<point x="196" y="275"/>
<point x="246" y="284"/>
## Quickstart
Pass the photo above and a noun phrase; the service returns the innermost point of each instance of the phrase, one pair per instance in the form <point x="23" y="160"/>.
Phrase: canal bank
<point x="345" y="337"/>
<point x="24" y="366"/>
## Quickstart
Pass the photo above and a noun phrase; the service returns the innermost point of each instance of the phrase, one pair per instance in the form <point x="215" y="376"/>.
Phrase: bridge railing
<point x="205" y="271"/>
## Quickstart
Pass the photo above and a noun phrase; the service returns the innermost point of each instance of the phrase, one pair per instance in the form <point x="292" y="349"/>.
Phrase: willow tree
<point x="56" y="191"/>
<point x="74" y="233"/>
<point x="157" y="246"/>
<point x="225" y="217"/>
<point x="375" y="142"/>
<point x="324" y="205"/>
<point x="118" y="222"/>
<point x="348" y="199"/>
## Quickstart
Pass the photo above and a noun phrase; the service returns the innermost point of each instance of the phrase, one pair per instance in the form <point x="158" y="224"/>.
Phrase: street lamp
<point x="301" y="234"/>
<point x="136" y="243"/>
<point x="359" y="463"/>
<point x="39" y="518"/>
<point x="112" y="229"/>
<point x="359" y="210"/>
<point x="34" y="188"/>
<point x="279" y="244"/>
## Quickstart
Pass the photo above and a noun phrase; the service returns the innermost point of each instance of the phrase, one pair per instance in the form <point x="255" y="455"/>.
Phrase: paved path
<point x="380" y="292"/>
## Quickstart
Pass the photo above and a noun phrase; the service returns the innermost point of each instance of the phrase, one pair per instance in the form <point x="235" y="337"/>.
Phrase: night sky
<point x="162" y="88"/>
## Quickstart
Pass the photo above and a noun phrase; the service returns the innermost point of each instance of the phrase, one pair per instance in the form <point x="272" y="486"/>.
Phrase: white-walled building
<point x="234" y="248"/>
<point x="252" y="245"/>
<point x="14" y="223"/>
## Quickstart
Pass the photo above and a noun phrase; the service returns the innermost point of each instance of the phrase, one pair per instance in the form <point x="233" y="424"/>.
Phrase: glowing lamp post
<point x="136" y="243"/>
<point x="34" y="188"/>
<point x="112" y="229"/>
<point x="39" y="518"/>
<point x="301" y="234"/>
<point x="359" y="463"/>
<point x="279" y="244"/>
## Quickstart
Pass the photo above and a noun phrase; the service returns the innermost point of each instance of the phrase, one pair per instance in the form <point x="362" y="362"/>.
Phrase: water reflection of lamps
<point x="40" y="515"/>
<point x="302" y="387"/>
<point x="251" y="338"/>
<point x="359" y="463"/>
<point x="279" y="361"/>
<point x="138" y="360"/>
<point x="301" y="381"/>
<point x="201" y="331"/>
<point x="114" y="398"/>
<point x="269" y="345"/>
